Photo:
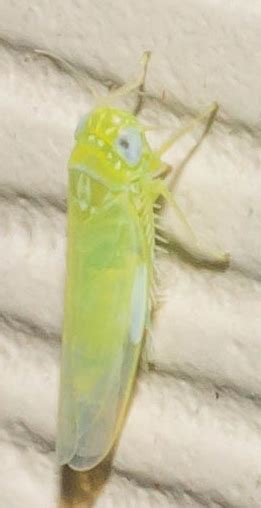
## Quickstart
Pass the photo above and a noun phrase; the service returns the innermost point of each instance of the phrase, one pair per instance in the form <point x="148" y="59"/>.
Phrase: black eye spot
<point x="124" y="143"/>
<point x="129" y="145"/>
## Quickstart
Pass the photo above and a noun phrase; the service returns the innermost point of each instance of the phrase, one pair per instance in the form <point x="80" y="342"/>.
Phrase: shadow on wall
<point x="81" y="488"/>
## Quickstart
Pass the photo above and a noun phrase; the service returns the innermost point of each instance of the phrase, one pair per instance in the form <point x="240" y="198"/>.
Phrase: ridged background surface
<point x="193" y="435"/>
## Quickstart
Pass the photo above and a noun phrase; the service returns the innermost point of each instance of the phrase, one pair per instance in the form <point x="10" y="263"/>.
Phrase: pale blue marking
<point x="81" y="125"/>
<point x="83" y="192"/>
<point x="138" y="305"/>
<point x="129" y="145"/>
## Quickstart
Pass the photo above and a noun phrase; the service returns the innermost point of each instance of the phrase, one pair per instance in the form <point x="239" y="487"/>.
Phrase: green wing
<point x="105" y="314"/>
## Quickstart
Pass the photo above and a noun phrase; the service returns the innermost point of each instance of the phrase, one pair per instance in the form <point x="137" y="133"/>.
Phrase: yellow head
<point x="111" y="148"/>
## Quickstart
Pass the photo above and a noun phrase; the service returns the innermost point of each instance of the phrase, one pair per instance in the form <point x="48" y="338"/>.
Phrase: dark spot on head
<point x="124" y="143"/>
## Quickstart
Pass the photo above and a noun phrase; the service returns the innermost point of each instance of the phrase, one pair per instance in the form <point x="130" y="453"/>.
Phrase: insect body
<point x="112" y="189"/>
<point x="110" y="271"/>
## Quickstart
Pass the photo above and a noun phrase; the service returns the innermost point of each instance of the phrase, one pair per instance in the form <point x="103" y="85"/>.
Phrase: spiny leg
<point x="161" y="189"/>
<point x="195" y="247"/>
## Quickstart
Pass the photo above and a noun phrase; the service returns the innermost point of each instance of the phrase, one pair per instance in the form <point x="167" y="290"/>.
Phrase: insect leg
<point x="136" y="83"/>
<point x="194" y="246"/>
<point x="210" y="113"/>
<point x="167" y="168"/>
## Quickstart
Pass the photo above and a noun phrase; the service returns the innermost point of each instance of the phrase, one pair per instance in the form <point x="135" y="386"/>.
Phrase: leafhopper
<point x="115" y="179"/>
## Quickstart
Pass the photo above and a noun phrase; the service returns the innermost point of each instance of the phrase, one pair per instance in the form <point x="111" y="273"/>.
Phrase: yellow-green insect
<point x="113" y="185"/>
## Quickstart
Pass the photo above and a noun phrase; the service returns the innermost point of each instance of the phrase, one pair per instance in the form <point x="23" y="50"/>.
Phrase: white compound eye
<point x="129" y="145"/>
<point x="81" y="125"/>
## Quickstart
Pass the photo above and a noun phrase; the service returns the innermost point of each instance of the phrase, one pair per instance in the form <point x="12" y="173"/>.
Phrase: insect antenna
<point x="126" y="89"/>
<point x="76" y="73"/>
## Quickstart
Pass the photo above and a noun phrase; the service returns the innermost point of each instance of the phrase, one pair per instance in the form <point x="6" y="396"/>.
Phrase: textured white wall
<point x="193" y="436"/>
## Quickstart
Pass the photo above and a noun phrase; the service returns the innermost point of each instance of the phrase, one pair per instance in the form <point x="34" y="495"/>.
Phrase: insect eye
<point x="129" y="145"/>
<point x="81" y="125"/>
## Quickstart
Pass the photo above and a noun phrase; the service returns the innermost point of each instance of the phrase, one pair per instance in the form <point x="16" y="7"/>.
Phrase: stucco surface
<point x="193" y="434"/>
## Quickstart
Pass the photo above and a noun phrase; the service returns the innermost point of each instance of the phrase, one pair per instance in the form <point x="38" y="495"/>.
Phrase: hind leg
<point x="193" y="244"/>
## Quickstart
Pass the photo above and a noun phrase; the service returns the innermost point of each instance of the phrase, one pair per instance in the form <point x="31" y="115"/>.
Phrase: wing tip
<point x="80" y="463"/>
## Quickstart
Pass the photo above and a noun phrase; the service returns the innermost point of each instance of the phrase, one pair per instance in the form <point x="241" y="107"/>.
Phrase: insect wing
<point x="105" y="315"/>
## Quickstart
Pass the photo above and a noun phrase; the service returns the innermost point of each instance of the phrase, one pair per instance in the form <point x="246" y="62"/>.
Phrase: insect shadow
<point x="83" y="487"/>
